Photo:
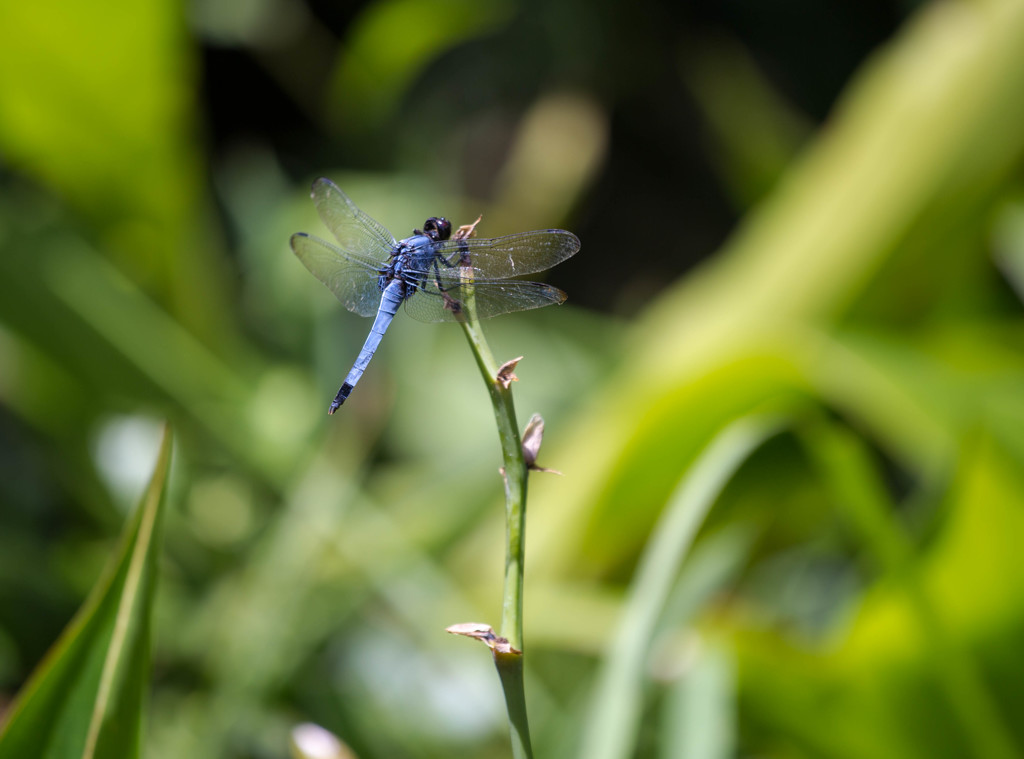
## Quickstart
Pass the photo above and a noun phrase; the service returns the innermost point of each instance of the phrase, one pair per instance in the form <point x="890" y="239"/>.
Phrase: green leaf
<point x="102" y="114"/>
<point x="615" y="714"/>
<point x="374" y="72"/>
<point x="746" y="330"/>
<point x="698" y="717"/>
<point x="899" y="678"/>
<point x="85" y="699"/>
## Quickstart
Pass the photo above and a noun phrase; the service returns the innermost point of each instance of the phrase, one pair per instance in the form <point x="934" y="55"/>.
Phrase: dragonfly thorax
<point x="410" y="261"/>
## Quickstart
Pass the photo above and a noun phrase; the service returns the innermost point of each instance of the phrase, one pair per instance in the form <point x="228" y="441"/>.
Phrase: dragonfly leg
<point x="459" y="258"/>
<point x="450" y="303"/>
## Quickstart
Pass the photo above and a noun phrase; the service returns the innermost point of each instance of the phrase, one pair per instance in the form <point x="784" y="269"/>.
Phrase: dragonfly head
<point x="437" y="228"/>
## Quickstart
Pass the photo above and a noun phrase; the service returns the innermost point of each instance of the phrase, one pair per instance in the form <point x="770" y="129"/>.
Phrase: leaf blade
<point x="85" y="698"/>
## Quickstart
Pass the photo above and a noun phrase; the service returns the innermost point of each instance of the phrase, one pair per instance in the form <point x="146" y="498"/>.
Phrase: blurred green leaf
<point x="125" y="65"/>
<point x="698" y="719"/>
<point x="1009" y="243"/>
<point x="901" y="154"/>
<point x="389" y="45"/>
<point x="86" y="698"/>
<point x="610" y="730"/>
<point x="733" y="94"/>
<point x="98" y="106"/>
<point x="880" y="691"/>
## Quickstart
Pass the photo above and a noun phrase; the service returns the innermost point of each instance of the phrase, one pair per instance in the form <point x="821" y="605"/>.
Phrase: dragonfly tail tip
<point x="339" y="399"/>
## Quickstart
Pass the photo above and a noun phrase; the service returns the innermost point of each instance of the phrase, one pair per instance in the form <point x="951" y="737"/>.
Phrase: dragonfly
<point x="438" y="277"/>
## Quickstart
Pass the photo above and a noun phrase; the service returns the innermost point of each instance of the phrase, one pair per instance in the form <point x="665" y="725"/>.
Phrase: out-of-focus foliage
<point x="855" y="589"/>
<point x="86" y="699"/>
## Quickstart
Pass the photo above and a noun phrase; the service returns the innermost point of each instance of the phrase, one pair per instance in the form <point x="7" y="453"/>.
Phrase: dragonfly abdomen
<point x="391" y="299"/>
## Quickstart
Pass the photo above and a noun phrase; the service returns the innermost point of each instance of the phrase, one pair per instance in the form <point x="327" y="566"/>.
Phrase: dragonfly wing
<point x="356" y="231"/>
<point x="353" y="279"/>
<point x="485" y="298"/>
<point x="512" y="255"/>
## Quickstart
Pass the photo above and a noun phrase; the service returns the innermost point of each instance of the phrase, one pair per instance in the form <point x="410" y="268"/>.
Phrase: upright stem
<point x="510" y="665"/>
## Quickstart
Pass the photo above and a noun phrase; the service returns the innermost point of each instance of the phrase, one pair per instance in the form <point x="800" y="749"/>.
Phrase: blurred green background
<point x="803" y="216"/>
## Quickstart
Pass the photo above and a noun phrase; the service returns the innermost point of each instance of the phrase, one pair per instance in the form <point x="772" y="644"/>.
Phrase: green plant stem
<point x="510" y="670"/>
<point x="509" y="665"/>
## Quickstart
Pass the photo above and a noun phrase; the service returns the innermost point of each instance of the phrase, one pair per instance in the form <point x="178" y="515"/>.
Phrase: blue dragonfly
<point x="438" y="278"/>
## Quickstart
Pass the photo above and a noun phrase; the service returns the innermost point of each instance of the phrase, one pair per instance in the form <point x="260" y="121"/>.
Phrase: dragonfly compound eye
<point x="437" y="228"/>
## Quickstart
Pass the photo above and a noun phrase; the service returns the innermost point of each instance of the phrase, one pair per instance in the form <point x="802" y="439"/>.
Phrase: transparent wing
<point x="356" y="232"/>
<point x="352" y="278"/>
<point x="486" y="297"/>
<point x="512" y="255"/>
